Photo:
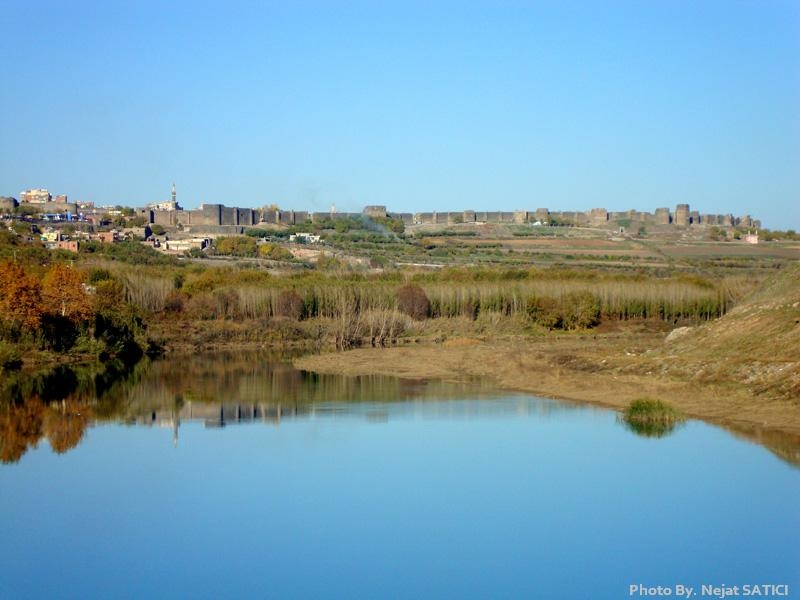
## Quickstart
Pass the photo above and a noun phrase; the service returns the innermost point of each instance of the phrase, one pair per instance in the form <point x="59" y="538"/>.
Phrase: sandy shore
<point x="611" y="370"/>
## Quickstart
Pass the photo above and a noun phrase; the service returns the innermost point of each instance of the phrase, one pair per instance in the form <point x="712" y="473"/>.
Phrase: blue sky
<point x="418" y="106"/>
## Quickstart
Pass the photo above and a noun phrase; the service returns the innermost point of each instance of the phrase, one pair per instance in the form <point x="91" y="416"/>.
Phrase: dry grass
<point x="741" y="369"/>
<point x="757" y="344"/>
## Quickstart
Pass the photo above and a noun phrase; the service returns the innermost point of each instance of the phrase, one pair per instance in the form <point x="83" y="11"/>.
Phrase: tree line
<point x="59" y="310"/>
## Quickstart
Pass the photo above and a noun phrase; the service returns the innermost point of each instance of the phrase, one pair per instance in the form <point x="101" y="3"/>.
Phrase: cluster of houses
<point x="56" y="239"/>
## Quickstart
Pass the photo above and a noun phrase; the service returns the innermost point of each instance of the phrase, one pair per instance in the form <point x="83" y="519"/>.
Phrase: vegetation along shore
<point x="704" y="325"/>
<point x="742" y="368"/>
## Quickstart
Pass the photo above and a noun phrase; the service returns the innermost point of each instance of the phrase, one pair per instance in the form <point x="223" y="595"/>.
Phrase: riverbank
<point x="607" y="369"/>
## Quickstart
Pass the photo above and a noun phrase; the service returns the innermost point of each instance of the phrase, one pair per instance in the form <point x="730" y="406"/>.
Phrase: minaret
<point x="174" y="195"/>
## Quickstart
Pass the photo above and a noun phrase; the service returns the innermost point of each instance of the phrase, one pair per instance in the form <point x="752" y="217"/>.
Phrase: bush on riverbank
<point x="652" y="418"/>
<point x="412" y="300"/>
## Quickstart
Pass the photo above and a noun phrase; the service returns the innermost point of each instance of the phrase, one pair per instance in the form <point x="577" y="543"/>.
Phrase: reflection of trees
<point x="57" y="403"/>
<point x="20" y="428"/>
<point x="51" y="385"/>
<point x="253" y="379"/>
<point x="65" y="424"/>
<point x="228" y="387"/>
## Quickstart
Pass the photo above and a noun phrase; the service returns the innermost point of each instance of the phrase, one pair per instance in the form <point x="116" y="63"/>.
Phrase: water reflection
<point x="220" y="390"/>
<point x="785" y="446"/>
<point x="224" y="390"/>
<point x="63" y="382"/>
<point x="217" y="390"/>
<point x="58" y="404"/>
<point x="651" y="429"/>
<point x="22" y="426"/>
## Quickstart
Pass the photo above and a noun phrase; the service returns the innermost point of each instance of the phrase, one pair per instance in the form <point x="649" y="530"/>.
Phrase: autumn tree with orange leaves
<point x="20" y="299"/>
<point x="63" y="293"/>
<point x="60" y="313"/>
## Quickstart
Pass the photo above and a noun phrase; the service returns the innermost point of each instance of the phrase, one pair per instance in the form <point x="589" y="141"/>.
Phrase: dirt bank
<point x="610" y="369"/>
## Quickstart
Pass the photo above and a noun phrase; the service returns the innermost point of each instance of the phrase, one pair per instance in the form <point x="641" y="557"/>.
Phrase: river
<point x="239" y="476"/>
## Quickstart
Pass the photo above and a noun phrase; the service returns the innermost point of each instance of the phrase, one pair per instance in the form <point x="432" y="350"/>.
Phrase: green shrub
<point x="328" y="262"/>
<point x="580" y="310"/>
<point x="545" y="312"/>
<point x="274" y="252"/>
<point x="97" y="274"/>
<point x="238" y="245"/>
<point x="10" y="357"/>
<point x="651" y="418"/>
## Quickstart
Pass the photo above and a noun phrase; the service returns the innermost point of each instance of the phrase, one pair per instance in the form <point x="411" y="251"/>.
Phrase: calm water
<point x="238" y="477"/>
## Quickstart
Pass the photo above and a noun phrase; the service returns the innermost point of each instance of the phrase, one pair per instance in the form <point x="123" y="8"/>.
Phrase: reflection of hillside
<point x="254" y="380"/>
<point x="226" y="389"/>
<point x="785" y="446"/>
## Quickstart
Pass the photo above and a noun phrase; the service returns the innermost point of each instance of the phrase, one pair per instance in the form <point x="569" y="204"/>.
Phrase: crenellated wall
<point x="219" y="215"/>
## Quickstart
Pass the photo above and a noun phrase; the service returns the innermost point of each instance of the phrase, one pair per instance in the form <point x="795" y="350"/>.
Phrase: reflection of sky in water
<point x="474" y="495"/>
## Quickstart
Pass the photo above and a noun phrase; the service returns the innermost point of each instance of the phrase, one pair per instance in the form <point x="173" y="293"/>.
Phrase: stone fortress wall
<point x="220" y="216"/>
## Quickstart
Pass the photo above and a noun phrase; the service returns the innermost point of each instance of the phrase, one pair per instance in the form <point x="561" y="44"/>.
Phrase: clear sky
<point x="418" y="106"/>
